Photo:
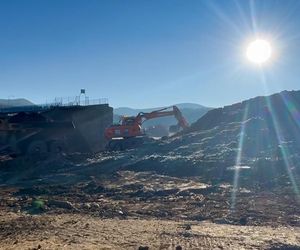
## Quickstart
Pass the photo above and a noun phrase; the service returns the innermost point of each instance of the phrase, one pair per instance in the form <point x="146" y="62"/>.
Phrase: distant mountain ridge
<point x="8" y="103"/>
<point x="133" y="111"/>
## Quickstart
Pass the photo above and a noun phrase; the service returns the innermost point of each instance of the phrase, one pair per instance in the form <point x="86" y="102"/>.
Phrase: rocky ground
<point x="103" y="202"/>
<point x="80" y="231"/>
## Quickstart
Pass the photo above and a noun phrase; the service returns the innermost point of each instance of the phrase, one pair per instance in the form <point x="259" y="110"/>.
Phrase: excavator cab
<point x="128" y="120"/>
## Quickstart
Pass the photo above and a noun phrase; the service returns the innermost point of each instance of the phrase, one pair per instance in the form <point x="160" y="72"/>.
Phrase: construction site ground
<point x="94" y="202"/>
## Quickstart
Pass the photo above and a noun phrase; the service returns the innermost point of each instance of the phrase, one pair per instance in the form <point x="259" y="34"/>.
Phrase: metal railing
<point x="76" y="101"/>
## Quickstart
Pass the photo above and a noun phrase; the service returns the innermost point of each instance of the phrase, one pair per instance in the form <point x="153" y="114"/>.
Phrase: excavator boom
<point x="141" y="117"/>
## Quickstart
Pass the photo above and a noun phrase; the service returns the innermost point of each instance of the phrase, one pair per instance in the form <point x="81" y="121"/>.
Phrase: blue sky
<point x="146" y="53"/>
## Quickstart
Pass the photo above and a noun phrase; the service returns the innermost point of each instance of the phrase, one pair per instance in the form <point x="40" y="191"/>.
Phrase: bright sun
<point x="259" y="51"/>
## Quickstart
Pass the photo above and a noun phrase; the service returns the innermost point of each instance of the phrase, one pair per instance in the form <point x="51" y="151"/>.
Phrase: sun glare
<point x="259" y="51"/>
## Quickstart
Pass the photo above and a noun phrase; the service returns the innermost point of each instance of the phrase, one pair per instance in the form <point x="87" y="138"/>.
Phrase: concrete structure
<point x="89" y="121"/>
<point x="73" y="128"/>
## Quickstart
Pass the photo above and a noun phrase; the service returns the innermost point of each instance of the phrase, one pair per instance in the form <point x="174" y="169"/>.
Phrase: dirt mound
<point x="264" y="123"/>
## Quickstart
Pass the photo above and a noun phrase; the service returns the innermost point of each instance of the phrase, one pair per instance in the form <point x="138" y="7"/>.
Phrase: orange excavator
<point x="129" y="133"/>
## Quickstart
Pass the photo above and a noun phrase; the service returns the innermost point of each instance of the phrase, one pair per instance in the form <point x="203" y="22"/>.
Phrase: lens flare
<point x="285" y="152"/>
<point x="238" y="160"/>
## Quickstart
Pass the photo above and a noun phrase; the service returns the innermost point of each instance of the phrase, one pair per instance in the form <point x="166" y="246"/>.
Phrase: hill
<point x="267" y="126"/>
<point x="15" y="102"/>
<point x="8" y="103"/>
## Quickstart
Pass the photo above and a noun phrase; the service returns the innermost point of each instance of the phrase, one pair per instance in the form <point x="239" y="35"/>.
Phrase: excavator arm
<point x="141" y="117"/>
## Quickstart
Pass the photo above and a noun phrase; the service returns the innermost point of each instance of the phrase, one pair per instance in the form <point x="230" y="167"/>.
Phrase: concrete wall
<point x="90" y="123"/>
